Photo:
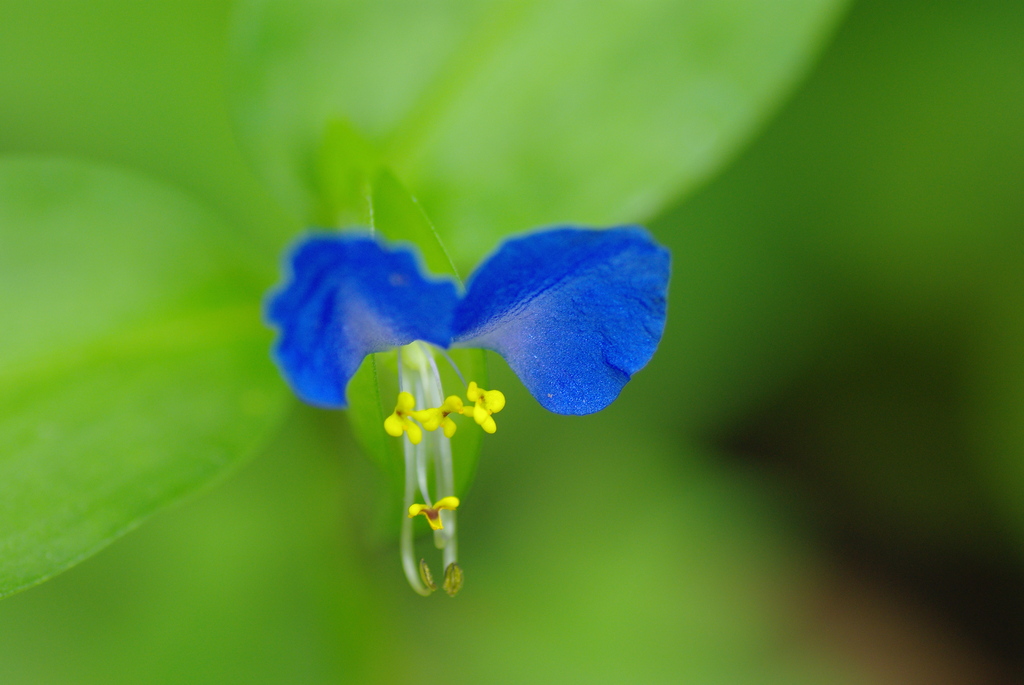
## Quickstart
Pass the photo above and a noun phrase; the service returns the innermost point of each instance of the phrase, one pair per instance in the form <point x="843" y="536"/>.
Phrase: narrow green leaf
<point x="398" y="216"/>
<point x="133" y="368"/>
<point x="354" y="189"/>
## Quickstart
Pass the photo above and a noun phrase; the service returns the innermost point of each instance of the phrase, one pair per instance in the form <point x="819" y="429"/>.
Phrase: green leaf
<point x="346" y="166"/>
<point x="354" y="188"/>
<point x="504" y="116"/>
<point x="133" y="365"/>
<point x="398" y="216"/>
<point x="141" y="86"/>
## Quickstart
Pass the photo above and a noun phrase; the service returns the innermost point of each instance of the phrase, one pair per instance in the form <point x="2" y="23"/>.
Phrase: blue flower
<point x="575" y="312"/>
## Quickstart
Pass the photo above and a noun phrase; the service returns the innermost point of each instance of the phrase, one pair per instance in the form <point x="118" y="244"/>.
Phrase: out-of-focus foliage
<point x="128" y="83"/>
<point x="132" y="363"/>
<point x="503" y="116"/>
<point x="259" y="582"/>
<point x="876" y="270"/>
<point x="140" y="85"/>
<point x="847" y="292"/>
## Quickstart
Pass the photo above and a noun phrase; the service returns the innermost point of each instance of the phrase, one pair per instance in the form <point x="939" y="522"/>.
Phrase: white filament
<point x="418" y="374"/>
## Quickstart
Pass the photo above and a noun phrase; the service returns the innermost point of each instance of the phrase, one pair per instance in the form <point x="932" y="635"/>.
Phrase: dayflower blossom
<point x="574" y="311"/>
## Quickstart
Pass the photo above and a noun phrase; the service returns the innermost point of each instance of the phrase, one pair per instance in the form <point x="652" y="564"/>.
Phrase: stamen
<point x="421" y="451"/>
<point x="406" y="540"/>
<point x="426" y="576"/>
<point x="420" y="383"/>
<point x="445" y="474"/>
<point x="451" y="547"/>
<point x="421" y="472"/>
<point x="438" y="417"/>
<point x="454" y="366"/>
<point x="437" y="386"/>
<point x="453" y="579"/>
<point x="486" y="402"/>
<point x="433" y="513"/>
<point x="399" y="422"/>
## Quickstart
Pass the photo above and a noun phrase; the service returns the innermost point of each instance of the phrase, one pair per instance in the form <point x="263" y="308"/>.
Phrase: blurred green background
<point x="816" y="480"/>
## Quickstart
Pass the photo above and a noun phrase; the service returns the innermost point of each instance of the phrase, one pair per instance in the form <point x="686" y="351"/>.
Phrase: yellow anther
<point x="453" y="579"/>
<point x="433" y="513"/>
<point x="399" y="421"/>
<point x="438" y="417"/>
<point x="485" y="403"/>
<point x="426" y="576"/>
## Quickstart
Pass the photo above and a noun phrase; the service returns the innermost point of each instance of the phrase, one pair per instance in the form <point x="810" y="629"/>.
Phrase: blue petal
<point x="347" y="296"/>
<point x="575" y="312"/>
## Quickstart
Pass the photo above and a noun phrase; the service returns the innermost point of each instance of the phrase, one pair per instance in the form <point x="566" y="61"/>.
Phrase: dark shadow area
<point x="838" y="295"/>
<point x="874" y="448"/>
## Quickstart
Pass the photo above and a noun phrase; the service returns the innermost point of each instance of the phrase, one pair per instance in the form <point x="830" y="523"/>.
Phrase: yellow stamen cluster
<point x="485" y="403"/>
<point x="399" y="421"/>
<point x="433" y="513"/>
<point x="438" y="416"/>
